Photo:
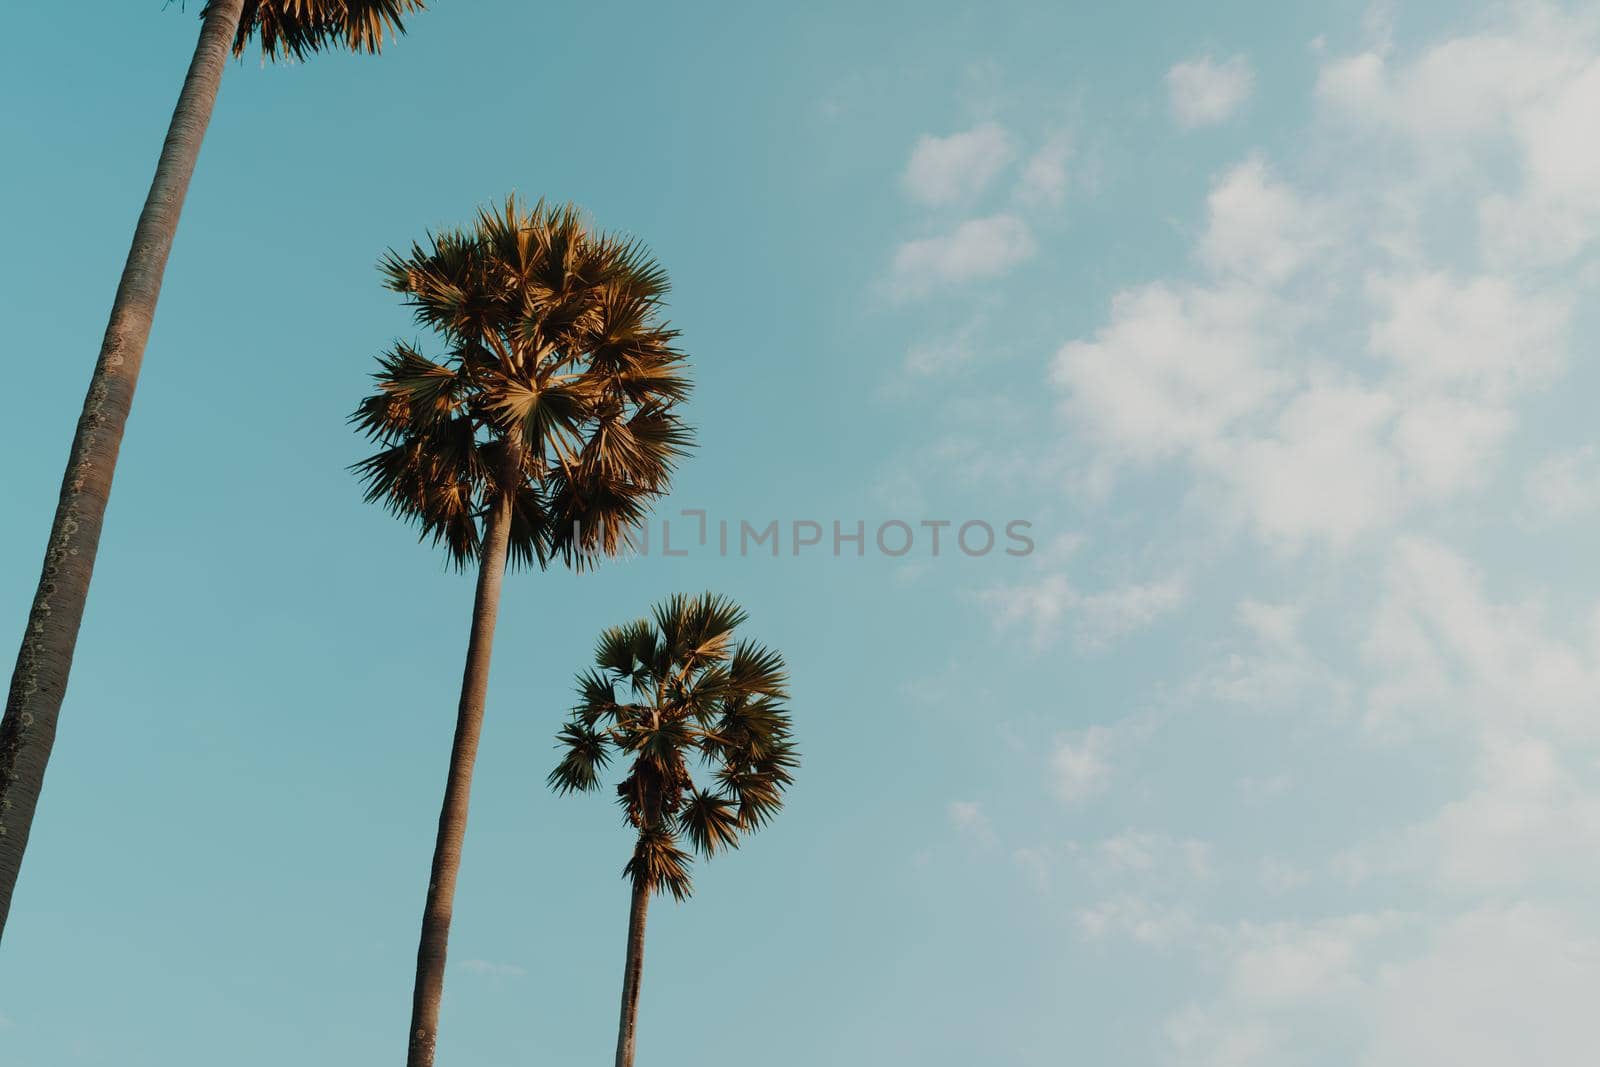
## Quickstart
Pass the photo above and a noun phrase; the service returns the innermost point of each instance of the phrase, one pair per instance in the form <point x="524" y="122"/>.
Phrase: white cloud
<point x="1499" y="985"/>
<point x="1553" y="217"/>
<point x="1291" y="992"/>
<point x="1198" y="1038"/>
<point x="1206" y="90"/>
<point x="1139" y="854"/>
<point x="975" y="249"/>
<point x="1157" y="926"/>
<point x="1526" y="88"/>
<point x="940" y="356"/>
<point x="1463" y="89"/>
<point x="1501" y="952"/>
<point x="1564" y="486"/>
<point x="1275" y="624"/>
<point x="1044" y="176"/>
<point x="1172" y="372"/>
<point x="1447" y="446"/>
<point x="1477" y="335"/>
<point x="1278" y="963"/>
<point x="1530" y="825"/>
<point x="1247" y="375"/>
<point x="929" y="358"/>
<point x="1045" y="604"/>
<point x="969" y="820"/>
<point x="1039" y="605"/>
<point x="945" y="170"/>
<point x="1258" y="227"/>
<point x="1322" y="471"/>
<point x="1113" y="613"/>
<point x="1271" y="668"/>
<point x="1345" y="358"/>
<point x="1492" y="986"/>
<point x="1446" y="655"/>
<point x="1080" y="766"/>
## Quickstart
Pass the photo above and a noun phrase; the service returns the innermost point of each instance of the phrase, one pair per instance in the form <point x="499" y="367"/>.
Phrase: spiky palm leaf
<point x="659" y="864"/>
<point x="698" y="698"/>
<point x="557" y="387"/>
<point x="293" y="29"/>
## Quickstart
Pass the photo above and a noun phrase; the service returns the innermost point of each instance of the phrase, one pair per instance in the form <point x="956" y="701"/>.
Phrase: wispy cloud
<point x="1046" y="604"/>
<point x="1564" y="486"/>
<point x="970" y="821"/>
<point x="1206" y="90"/>
<point x="1080" y="766"/>
<point x="945" y="170"/>
<point x="1044" y="178"/>
<point x="974" y="250"/>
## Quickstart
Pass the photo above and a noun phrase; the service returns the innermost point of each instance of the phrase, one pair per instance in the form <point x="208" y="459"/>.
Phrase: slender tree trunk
<point x="631" y="972"/>
<point x="40" y="679"/>
<point x="457" y="793"/>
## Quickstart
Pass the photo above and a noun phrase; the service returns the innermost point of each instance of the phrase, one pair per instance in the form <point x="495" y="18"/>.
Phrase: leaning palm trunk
<point x="628" y="1026"/>
<point x="431" y="948"/>
<point x="40" y="680"/>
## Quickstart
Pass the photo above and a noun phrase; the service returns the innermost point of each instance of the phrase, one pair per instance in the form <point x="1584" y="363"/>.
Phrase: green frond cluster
<point x="293" y="29"/>
<point x="670" y="692"/>
<point x="556" y="388"/>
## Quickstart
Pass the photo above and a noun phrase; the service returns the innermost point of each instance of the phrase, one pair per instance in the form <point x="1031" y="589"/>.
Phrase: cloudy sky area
<point x="1281" y="750"/>
<point x="1337" y="448"/>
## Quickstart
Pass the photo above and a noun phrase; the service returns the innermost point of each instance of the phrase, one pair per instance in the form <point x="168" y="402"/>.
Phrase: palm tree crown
<point x="556" y="388"/>
<point x="691" y="694"/>
<point x="293" y="29"/>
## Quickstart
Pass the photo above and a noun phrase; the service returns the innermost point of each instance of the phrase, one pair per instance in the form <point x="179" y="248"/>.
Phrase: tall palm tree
<point x="543" y="432"/>
<point x="283" y="29"/>
<point x="691" y="695"/>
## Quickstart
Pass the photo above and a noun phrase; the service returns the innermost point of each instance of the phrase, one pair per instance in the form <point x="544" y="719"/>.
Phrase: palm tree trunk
<point x="457" y="792"/>
<point x="631" y="972"/>
<point x="40" y="680"/>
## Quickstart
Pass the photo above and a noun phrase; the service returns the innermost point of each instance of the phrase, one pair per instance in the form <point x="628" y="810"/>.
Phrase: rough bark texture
<point x="40" y="680"/>
<point x="631" y="973"/>
<point x="457" y="792"/>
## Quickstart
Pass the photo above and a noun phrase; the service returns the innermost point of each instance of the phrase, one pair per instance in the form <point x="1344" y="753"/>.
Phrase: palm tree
<point x="283" y="29"/>
<point x="691" y="695"/>
<point x="543" y="432"/>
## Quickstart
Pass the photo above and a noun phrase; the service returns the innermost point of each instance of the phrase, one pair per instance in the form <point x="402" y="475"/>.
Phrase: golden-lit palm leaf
<point x="293" y="29"/>
<point x="710" y="822"/>
<point x="658" y="863"/>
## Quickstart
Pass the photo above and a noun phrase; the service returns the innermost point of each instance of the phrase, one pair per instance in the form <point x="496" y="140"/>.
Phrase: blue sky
<point x="1275" y="321"/>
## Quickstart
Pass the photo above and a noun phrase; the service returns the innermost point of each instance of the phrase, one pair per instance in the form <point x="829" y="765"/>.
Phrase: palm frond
<point x="757" y="671"/>
<point x="659" y="864"/>
<point x="583" y="758"/>
<point x="749" y="731"/>
<point x="624" y="649"/>
<point x="431" y="482"/>
<point x="293" y="29"/>
<point x="710" y="822"/>
<point x="529" y="545"/>
<point x="597" y="698"/>
<point x="758" y="793"/>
